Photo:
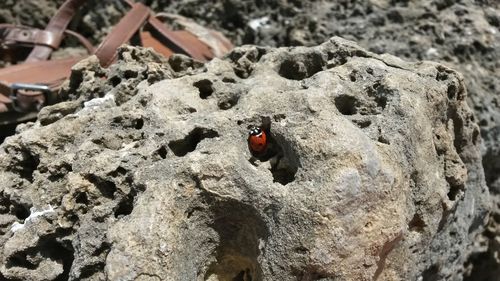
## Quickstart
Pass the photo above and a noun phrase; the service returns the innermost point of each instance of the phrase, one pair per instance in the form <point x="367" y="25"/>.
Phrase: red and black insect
<point x="257" y="141"/>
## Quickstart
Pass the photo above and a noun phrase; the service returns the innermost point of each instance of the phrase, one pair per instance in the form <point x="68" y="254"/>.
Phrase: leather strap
<point x="56" y="27"/>
<point x="12" y="36"/>
<point x="122" y="33"/>
<point x="52" y="73"/>
<point x="180" y="41"/>
<point x="176" y="41"/>
<point x="148" y="40"/>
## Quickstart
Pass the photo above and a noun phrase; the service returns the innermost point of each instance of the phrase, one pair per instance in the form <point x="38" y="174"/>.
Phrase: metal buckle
<point x="44" y="89"/>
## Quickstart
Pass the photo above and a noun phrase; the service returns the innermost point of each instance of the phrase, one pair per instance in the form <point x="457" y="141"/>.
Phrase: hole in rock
<point x="189" y="143"/>
<point x="283" y="172"/>
<point x="26" y="166"/>
<point x="362" y="123"/>
<point x="431" y="274"/>
<point x="162" y="152"/>
<point x="380" y="93"/>
<point x="20" y="259"/>
<point x="138" y="123"/>
<point x="89" y="270"/>
<point x="383" y="139"/>
<point x="130" y="73"/>
<point x="452" y="90"/>
<point x="454" y="191"/>
<point x="126" y="205"/>
<point x="61" y="252"/>
<point x="82" y="198"/>
<point x="228" y="80"/>
<point x="107" y="188"/>
<point x="47" y="248"/>
<point x="204" y="87"/>
<point x="301" y="66"/>
<point x="283" y="159"/>
<point x="228" y="102"/>
<point x="20" y="211"/>
<point x="352" y="76"/>
<point x="347" y="105"/>
<point x="417" y="223"/>
<point x="241" y="230"/>
<point x="441" y="74"/>
<point x="115" y="80"/>
<point x="120" y="171"/>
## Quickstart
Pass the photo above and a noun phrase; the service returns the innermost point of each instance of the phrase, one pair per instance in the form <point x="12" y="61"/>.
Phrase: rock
<point x="373" y="171"/>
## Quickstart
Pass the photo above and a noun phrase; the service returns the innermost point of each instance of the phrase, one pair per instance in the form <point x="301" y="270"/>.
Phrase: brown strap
<point x="51" y="73"/>
<point x="122" y="33"/>
<point x="180" y="41"/>
<point x="86" y="43"/>
<point x="56" y="27"/>
<point x="21" y="35"/>
<point x="12" y="36"/>
<point x="148" y="40"/>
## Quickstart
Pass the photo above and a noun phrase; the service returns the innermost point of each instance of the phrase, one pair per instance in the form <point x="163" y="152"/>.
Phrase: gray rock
<point x="373" y="171"/>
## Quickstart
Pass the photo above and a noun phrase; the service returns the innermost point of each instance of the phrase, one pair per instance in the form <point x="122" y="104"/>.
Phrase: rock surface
<point x="373" y="171"/>
<point x="464" y="35"/>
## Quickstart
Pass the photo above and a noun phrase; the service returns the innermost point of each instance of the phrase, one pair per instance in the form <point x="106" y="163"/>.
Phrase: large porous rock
<point x="373" y="171"/>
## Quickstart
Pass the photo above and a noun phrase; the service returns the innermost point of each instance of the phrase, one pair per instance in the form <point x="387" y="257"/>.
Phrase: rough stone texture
<point x="462" y="34"/>
<point x="374" y="171"/>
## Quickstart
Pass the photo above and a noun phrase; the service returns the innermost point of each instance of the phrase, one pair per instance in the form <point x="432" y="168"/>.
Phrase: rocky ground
<point x="463" y="35"/>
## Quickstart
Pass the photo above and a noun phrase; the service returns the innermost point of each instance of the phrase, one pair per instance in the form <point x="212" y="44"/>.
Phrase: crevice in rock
<point x="91" y="269"/>
<point x="384" y="253"/>
<point x="60" y="172"/>
<point x="20" y="259"/>
<point x="27" y="165"/>
<point x="47" y="248"/>
<point x="311" y="273"/>
<point x="365" y="123"/>
<point x="188" y="143"/>
<point x="241" y="231"/>
<point x="204" y="87"/>
<point x="452" y="91"/>
<point x="228" y="80"/>
<point x="128" y="121"/>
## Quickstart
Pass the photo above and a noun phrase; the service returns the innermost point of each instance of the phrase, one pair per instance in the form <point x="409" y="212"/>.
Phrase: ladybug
<point x="257" y="140"/>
